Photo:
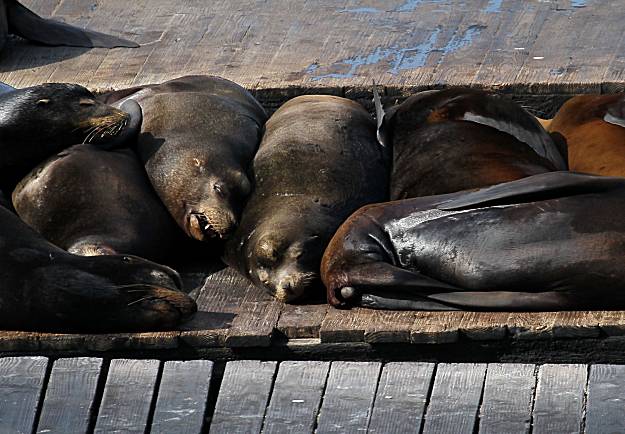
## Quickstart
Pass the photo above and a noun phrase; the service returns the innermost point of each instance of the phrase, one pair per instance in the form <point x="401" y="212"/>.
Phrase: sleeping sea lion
<point x="198" y="137"/>
<point x="458" y="139"/>
<point x="553" y="241"/>
<point x="317" y="163"/>
<point x="44" y="288"/>
<point x="594" y="129"/>
<point x="39" y="121"/>
<point x="18" y="20"/>
<point x="90" y="201"/>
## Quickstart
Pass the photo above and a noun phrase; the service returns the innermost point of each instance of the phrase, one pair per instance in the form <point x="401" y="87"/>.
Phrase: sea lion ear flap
<point x="27" y="24"/>
<point x="616" y="113"/>
<point x="380" y="116"/>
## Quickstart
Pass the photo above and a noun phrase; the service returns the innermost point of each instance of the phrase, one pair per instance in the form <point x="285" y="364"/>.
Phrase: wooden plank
<point x="389" y="327"/>
<point x="435" y="327"/>
<point x="606" y="393"/>
<point x="484" y="326"/>
<point x="255" y="323"/>
<point x="455" y="398"/>
<point x="301" y="321"/>
<point x="341" y="325"/>
<point x="70" y="396"/>
<point x="182" y="397"/>
<point x="348" y="398"/>
<point x="580" y="324"/>
<point x="127" y="396"/>
<point x="21" y="384"/>
<point x="531" y="325"/>
<point x="243" y="396"/>
<point x="559" y="401"/>
<point x="296" y="397"/>
<point x="507" y="399"/>
<point x="401" y="397"/>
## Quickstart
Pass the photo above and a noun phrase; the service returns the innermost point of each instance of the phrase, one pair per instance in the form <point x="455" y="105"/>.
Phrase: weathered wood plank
<point x="255" y="322"/>
<point x="401" y="397"/>
<point x="70" y="396"/>
<point x="182" y="397"/>
<point x="345" y="325"/>
<point x="507" y="399"/>
<point x="484" y="326"/>
<point x="558" y="406"/>
<point x="301" y="321"/>
<point x="531" y="325"/>
<point x="389" y="327"/>
<point x="348" y="397"/>
<point x="605" y="412"/>
<point x="455" y="398"/>
<point x="127" y="397"/>
<point x="21" y="384"/>
<point x="435" y="327"/>
<point x="243" y="396"/>
<point x="296" y="397"/>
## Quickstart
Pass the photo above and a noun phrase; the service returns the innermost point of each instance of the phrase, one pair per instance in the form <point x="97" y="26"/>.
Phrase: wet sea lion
<point x="39" y="121"/>
<point x="44" y="288"/>
<point x="594" y="129"/>
<point x="458" y="139"/>
<point x="91" y="202"/>
<point x="18" y="20"/>
<point x="317" y="163"/>
<point x="553" y="241"/>
<point x="198" y="137"/>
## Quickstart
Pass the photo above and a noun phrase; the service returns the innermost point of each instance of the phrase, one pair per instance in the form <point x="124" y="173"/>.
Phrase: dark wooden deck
<point x="81" y="395"/>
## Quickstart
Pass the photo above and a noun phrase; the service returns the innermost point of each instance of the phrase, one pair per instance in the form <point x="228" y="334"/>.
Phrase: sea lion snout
<point x="211" y="224"/>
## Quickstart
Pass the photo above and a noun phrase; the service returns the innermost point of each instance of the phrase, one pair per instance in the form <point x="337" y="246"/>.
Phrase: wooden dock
<point x="85" y="395"/>
<point x="282" y="48"/>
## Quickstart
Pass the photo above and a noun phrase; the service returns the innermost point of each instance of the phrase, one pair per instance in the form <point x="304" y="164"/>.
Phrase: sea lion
<point x="39" y="121"/>
<point x="18" y="20"/>
<point x="594" y="129"/>
<point x="90" y="201"/>
<point x="553" y="241"/>
<point x="44" y="288"/>
<point x="198" y="137"/>
<point x="317" y="163"/>
<point x="458" y="139"/>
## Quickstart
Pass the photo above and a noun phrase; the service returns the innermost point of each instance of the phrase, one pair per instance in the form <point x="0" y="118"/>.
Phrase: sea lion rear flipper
<point x="25" y="23"/>
<point x="616" y="113"/>
<point x="533" y="188"/>
<point x="4" y="88"/>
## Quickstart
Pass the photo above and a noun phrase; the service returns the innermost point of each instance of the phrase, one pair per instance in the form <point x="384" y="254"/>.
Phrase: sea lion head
<point x="285" y="259"/>
<point x="60" y="113"/>
<point x="212" y="205"/>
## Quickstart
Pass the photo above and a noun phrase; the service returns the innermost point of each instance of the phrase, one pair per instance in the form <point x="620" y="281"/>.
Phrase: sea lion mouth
<point x="100" y="128"/>
<point x="201" y="228"/>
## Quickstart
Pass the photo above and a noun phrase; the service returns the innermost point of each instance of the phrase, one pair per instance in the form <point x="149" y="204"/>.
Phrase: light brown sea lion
<point x="18" y="20"/>
<point x="90" y="201"/>
<point x="553" y="241"/>
<point x="198" y="137"/>
<point x="458" y="139"/>
<point x="594" y="129"/>
<point x="318" y="162"/>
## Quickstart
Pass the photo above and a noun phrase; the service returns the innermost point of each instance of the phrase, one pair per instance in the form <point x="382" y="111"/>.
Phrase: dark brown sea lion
<point x="39" y="121"/>
<point x="458" y="139"/>
<point x="18" y="20"/>
<point x="90" y="201"/>
<point x="198" y="137"/>
<point x="553" y="241"/>
<point x="594" y="129"/>
<point x="44" y="288"/>
<point x="318" y="162"/>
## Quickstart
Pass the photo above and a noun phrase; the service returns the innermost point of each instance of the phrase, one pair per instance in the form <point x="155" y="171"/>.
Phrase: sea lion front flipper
<point x="533" y="188"/>
<point x="25" y="23"/>
<point x="616" y="113"/>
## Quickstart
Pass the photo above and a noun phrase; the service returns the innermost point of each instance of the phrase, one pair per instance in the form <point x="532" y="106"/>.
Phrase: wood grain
<point x="127" y="397"/>
<point x="507" y="399"/>
<point x="243" y="397"/>
<point x="70" y="396"/>
<point x="606" y="393"/>
<point x="348" y="398"/>
<point x="559" y="401"/>
<point x="401" y="397"/>
<point x="455" y="398"/>
<point x="301" y="321"/>
<point x="182" y="397"/>
<point x="296" y="397"/>
<point x="21" y="384"/>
